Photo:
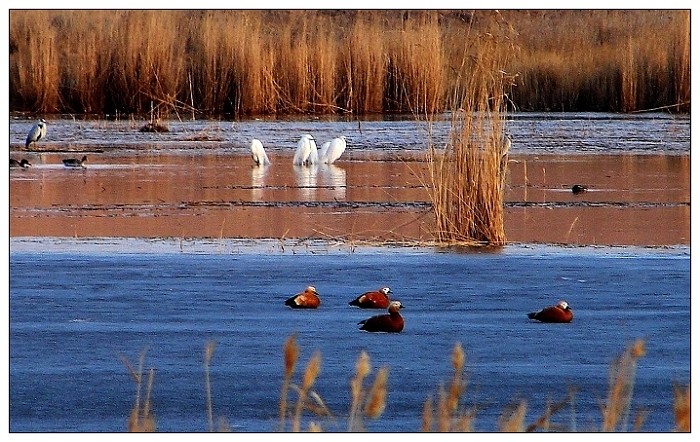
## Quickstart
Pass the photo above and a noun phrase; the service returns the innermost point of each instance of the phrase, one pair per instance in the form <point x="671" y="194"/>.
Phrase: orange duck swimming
<point x="306" y="299"/>
<point x="391" y="323"/>
<point x="556" y="313"/>
<point x="376" y="299"/>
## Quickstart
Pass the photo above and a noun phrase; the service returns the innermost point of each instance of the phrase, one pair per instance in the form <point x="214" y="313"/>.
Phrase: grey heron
<point x="36" y="133"/>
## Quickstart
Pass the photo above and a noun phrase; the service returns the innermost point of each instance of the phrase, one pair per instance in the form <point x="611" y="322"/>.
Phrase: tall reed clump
<point x="467" y="176"/>
<point x="141" y="418"/>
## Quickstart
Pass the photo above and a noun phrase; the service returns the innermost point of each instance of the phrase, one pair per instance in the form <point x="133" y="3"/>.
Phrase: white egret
<point x="36" y="133"/>
<point x="74" y="162"/>
<point x="323" y="151"/>
<point x="306" y="153"/>
<point x="335" y="150"/>
<point x="258" y="152"/>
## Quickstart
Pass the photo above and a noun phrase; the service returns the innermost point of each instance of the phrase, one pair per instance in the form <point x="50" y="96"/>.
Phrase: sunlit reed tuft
<point x="513" y="419"/>
<point x="141" y="418"/>
<point x="376" y="397"/>
<point x="616" y="410"/>
<point x="681" y="407"/>
<point x="291" y="353"/>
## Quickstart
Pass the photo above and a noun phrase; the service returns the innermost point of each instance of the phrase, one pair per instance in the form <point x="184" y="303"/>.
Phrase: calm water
<point x="76" y="306"/>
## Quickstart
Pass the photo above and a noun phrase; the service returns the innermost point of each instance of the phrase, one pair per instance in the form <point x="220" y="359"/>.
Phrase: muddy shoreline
<point x="641" y="200"/>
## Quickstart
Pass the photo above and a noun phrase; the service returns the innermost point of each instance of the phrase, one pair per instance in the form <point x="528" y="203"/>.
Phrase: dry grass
<point x="141" y="418"/>
<point x="366" y="403"/>
<point x="252" y="62"/>
<point x="447" y="415"/>
<point x="617" y="409"/>
<point x="307" y="398"/>
<point x="681" y="408"/>
<point x="467" y="176"/>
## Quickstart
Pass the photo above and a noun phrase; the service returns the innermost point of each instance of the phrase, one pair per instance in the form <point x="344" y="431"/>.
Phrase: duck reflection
<point x="258" y="174"/>
<point x="306" y="181"/>
<point x="334" y="179"/>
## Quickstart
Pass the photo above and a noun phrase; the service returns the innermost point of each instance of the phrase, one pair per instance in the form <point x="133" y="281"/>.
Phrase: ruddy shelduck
<point x="309" y="298"/>
<point x="556" y="313"/>
<point x="376" y="299"/>
<point x="389" y="323"/>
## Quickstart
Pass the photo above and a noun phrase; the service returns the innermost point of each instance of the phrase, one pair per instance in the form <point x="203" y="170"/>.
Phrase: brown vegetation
<point x="449" y="415"/>
<point x="277" y="61"/>
<point x="468" y="176"/>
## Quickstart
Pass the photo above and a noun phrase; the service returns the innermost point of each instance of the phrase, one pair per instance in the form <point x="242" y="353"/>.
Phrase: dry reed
<point x="208" y="355"/>
<point x="448" y="417"/>
<point x="468" y="175"/>
<point x="291" y="353"/>
<point x="681" y="408"/>
<point x="141" y="418"/>
<point x="617" y="409"/>
<point x="445" y="416"/>
<point x="368" y="403"/>
<point x="249" y="62"/>
<point x="304" y="392"/>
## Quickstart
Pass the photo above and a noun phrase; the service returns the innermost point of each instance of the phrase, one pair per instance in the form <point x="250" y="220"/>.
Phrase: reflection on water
<point x="257" y="181"/>
<point x="333" y="178"/>
<point x="306" y="181"/>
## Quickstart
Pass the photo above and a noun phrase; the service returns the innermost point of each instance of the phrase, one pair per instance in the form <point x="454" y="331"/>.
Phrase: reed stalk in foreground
<point x="141" y="418"/>
<point x="623" y="370"/>
<point x="447" y="415"/>
<point x="468" y="176"/>
<point x="304" y="392"/>
<point x="681" y="408"/>
<point x="370" y="403"/>
<point x="291" y="353"/>
<point x="208" y="354"/>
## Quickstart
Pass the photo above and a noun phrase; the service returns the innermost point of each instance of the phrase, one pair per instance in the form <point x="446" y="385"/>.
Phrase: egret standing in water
<point x="334" y="151"/>
<point x="37" y="132"/>
<point x="258" y="152"/>
<point x="323" y="151"/>
<point x="306" y="153"/>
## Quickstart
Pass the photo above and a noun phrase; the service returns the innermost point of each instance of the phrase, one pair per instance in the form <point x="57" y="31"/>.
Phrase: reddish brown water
<point x="632" y="199"/>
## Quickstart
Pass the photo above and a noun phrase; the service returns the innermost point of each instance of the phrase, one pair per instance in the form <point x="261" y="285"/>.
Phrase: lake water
<point x="77" y="305"/>
<point x="79" y="302"/>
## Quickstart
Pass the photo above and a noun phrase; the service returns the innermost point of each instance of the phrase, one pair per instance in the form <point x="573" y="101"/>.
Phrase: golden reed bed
<point x="304" y="61"/>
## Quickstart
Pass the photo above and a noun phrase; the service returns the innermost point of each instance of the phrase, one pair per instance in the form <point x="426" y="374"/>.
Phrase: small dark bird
<point x="36" y="133"/>
<point x="556" y="313"/>
<point x="307" y="299"/>
<point x="23" y="163"/>
<point x="74" y="162"/>
<point x="376" y="299"/>
<point x="579" y="188"/>
<point x="391" y="323"/>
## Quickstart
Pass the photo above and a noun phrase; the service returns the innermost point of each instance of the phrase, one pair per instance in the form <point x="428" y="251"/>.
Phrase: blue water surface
<point x="76" y="312"/>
